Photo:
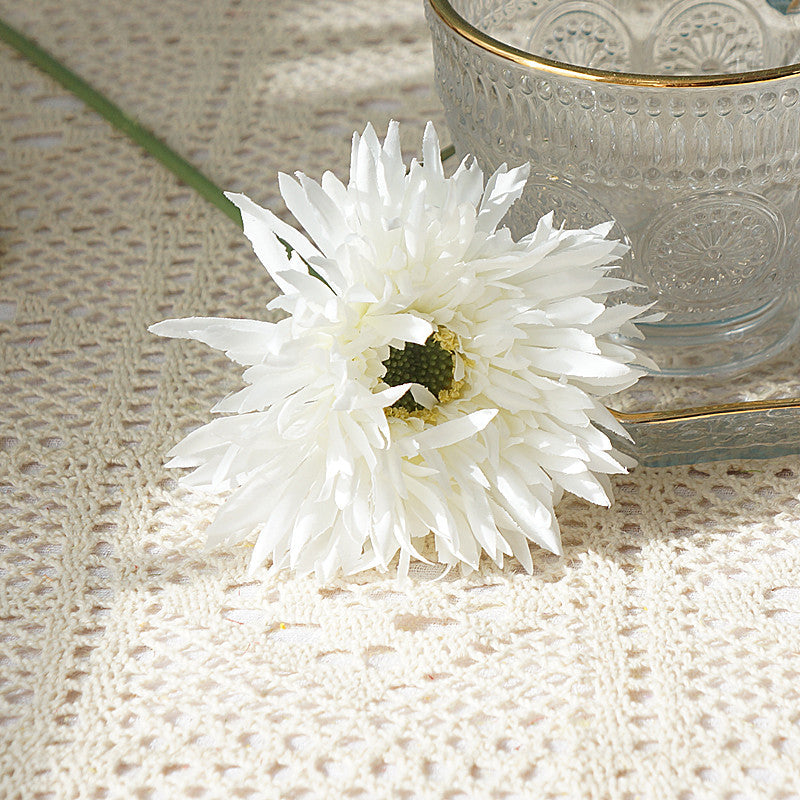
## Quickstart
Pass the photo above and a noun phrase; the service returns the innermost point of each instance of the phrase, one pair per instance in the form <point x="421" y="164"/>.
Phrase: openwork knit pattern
<point x="659" y="658"/>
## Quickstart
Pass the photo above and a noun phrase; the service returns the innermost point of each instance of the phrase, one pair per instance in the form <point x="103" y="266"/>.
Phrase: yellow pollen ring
<point x="429" y="415"/>
<point x="446" y="338"/>
<point x="453" y="393"/>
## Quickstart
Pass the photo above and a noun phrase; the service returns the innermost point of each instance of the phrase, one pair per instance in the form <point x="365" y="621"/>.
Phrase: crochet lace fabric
<point x="659" y="658"/>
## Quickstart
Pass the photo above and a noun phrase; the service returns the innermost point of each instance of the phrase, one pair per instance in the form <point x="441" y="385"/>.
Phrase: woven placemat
<point x="658" y="658"/>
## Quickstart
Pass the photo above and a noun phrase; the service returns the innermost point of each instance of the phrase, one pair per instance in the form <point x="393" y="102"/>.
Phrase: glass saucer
<point x="755" y="414"/>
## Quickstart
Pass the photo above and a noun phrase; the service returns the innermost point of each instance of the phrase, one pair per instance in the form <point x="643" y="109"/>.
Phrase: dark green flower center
<point x="429" y="364"/>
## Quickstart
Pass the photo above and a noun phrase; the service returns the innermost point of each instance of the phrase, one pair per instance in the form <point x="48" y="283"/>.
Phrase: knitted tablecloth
<point x="658" y="658"/>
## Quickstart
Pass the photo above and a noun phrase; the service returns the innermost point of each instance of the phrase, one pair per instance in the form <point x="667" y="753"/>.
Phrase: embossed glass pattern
<point x="702" y="181"/>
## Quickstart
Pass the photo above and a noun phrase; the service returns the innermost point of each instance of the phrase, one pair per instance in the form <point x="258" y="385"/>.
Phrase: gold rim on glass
<point x="459" y="25"/>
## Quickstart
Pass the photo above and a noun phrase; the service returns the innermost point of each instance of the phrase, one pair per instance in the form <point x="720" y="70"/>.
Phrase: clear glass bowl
<point x="679" y="121"/>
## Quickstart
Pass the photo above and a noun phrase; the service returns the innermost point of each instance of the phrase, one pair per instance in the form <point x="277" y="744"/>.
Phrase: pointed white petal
<point x="423" y="395"/>
<point x="262" y="227"/>
<point x="431" y="154"/>
<point x="455" y="430"/>
<point x="400" y="327"/>
<point x="245" y="341"/>
<point x="502" y="189"/>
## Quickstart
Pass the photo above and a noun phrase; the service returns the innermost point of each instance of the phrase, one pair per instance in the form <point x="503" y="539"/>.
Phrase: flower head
<point x="436" y="379"/>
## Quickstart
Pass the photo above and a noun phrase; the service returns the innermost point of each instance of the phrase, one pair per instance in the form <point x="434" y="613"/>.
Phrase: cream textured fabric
<point x="659" y="658"/>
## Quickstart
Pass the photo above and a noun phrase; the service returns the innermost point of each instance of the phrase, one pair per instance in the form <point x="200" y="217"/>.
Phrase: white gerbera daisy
<point x="441" y="379"/>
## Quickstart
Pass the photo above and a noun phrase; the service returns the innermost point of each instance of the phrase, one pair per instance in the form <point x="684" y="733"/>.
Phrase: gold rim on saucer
<point x="697" y="412"/>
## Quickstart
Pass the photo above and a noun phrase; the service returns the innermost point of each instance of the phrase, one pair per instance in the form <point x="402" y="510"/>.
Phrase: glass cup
<point x="681" y="122"/>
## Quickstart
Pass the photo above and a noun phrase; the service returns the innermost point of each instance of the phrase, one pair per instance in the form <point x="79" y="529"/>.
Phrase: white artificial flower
<point x="499" y="351"/>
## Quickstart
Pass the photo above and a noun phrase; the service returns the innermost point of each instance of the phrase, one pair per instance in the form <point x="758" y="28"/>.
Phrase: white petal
<point x="262" y="227"/>
<point x="245" y="341"/>
<point x="311" y="206"/>
<point x="586" y="486"/>
<point x="431" y="154"/>
<point x="423" y="396"/>
<point x="563" y="361"/>
<point x="455" y="430"/>
<point x="269" y="385"/>
<point x="574" y="311"/>
<point x="502" y="189"/>
<point x="533" y="517"/>
<point x="400" y="328"/>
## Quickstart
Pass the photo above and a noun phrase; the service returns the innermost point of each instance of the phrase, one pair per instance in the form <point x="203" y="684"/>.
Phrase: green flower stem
<point x="145" y="138"/>
<point x="448" y="151"/>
